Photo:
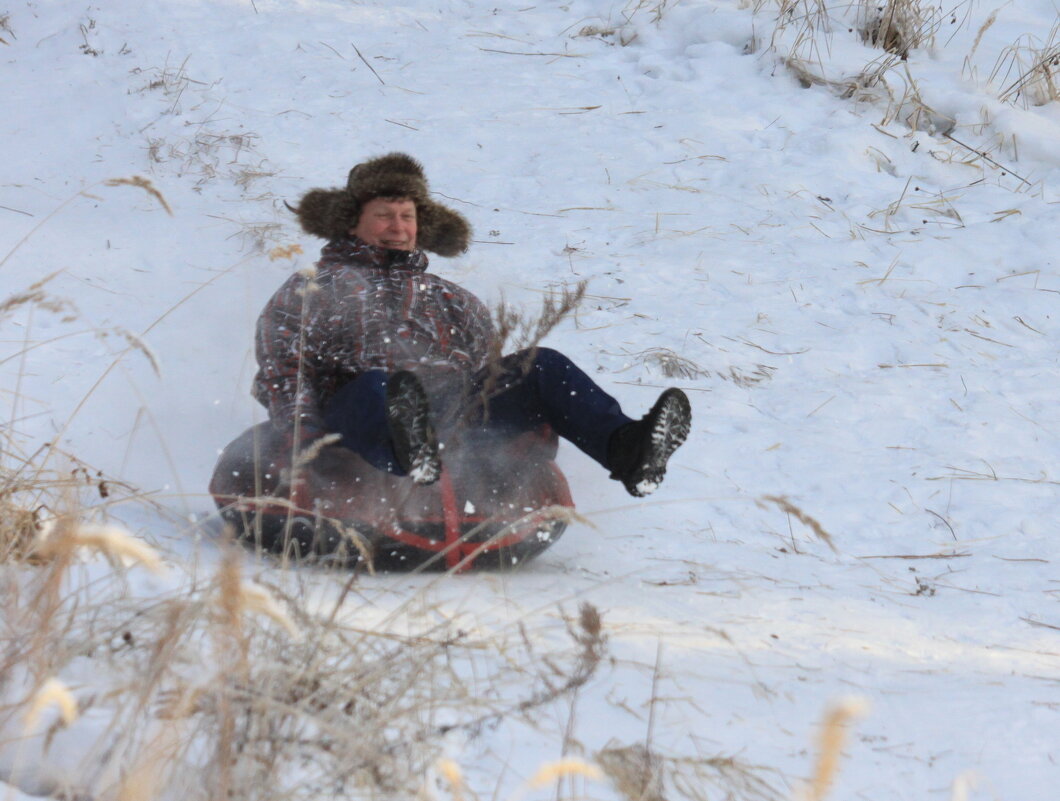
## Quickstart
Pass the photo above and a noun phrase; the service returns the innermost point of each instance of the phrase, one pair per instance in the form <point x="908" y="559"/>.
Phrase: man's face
<point x="387" y="223"/>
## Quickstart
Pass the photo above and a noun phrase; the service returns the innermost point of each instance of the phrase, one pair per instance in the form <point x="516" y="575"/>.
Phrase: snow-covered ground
<point x="856" y="282"/>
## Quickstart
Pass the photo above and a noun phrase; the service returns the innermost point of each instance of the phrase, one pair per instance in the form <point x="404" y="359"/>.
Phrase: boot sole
<point x="669" y="421"/>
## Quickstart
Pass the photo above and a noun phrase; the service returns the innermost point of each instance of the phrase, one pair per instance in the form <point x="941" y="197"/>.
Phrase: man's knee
<point x="550" y="359"/>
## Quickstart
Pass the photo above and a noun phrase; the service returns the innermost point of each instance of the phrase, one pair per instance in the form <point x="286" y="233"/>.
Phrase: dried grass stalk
<point x="52" y="693"/>
<point x="788" y="507"/>
<point x="672" y="364"/>
<point x="1036" y="64"/>
<point x="450" y="771"/>
<point x="830" y="744"/>
<point x="255" y="598"/>
<point x="963" y="786"/>
<point x="141" y="183"/>
<point x="560" y="769"/>
<point x="312" y="451"/>
<point x="284" y="252"/>
<point x="57" y="539"/>
<point x="139" y="344"/>
<point x="516" y="333"/>
<point x="36" y="296"/>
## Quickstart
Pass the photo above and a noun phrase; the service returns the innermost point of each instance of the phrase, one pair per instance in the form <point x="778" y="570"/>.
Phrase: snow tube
<point x="497" y="510"/>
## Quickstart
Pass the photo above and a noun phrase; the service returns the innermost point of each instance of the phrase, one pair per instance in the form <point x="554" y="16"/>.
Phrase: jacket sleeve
<point x="480" y="331"/>
<point x="285" y="356"/>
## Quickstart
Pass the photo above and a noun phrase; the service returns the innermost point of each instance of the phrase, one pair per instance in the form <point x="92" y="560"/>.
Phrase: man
<point x="375" y="349"/>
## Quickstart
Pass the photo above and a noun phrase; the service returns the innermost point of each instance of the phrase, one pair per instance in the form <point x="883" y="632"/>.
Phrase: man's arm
<point x="285" y="383"/>
<point x="478" y="325"/>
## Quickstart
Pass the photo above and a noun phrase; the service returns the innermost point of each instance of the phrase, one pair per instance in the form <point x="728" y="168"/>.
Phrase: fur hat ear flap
<point x="327" y="213"/>
<point x="331" y="213"/>
<point x="442" y="230"/>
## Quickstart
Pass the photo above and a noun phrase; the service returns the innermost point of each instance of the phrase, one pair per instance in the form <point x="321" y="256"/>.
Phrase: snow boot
<point x="411" y="433"/>
<point x="637" y="452"/>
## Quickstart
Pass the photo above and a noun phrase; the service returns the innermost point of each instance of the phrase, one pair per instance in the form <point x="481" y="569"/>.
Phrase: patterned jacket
<point x="365" y="307"/>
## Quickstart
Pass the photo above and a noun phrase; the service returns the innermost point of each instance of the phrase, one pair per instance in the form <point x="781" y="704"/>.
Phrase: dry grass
<point x="208" y="152"/>
<point x="142" y="183"/>
<point x="36" y="502"/>
<point x="172" y="81"/>
<point x="635" y="772"/>
<point x="622" y="28"/>
<point x="798" y="29"/>
<point x="257" y="236"/>
<point x="801" y="39"/>
<point x="899" y="26"/>
<point x="551" y="772"/>
<point x="51" y="693"/>
<point x="36" y="296"/>
<point x="232" y="688"/>
<point x="285" y="252"/>
<point x="800" y="36"/>
<point x="39" y="486"/>
<point x="1029" y="70"/>
<point x="912" y="110"/>
<point x="640" y="774"/>
<point x="831" y="740"/>
<point x="19" y="527"/>
<point x="58" y="537"/>
<point x="5" y="26"/>
<point x="654" y="9"/>
<point x="789" y="508"/>
<point x="671" y="364"/>
<point x="868" y="85"/>
<point x="519" y="333"/>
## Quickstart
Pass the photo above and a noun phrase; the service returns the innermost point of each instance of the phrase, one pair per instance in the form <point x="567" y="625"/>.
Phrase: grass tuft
<point x="639" y="773"/>
<point x="635" y="772"/>
<point x="1029" y="70"/>
<point x="898" y="26"/>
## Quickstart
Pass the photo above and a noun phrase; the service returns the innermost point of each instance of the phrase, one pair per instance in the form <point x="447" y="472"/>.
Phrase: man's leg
<point x="384" y="419"/>
<point x="357" y="412"/>
<point x="544" y="386"/>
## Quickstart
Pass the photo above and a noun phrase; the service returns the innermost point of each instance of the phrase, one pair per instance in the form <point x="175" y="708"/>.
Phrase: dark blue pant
<point x="525" y="390"/>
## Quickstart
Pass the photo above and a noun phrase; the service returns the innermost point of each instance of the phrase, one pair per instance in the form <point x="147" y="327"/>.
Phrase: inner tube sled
<point x="496" y="510"/>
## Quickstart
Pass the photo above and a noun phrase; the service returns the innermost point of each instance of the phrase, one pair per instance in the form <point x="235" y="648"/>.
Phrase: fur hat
<point x="330" y="213"/>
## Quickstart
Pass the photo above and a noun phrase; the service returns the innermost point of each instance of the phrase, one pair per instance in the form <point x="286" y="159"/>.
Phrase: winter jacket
<point x="364" y="308"/>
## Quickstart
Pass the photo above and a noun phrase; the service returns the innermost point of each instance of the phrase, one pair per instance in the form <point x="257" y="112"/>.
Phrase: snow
<point x="862" y="309"/>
